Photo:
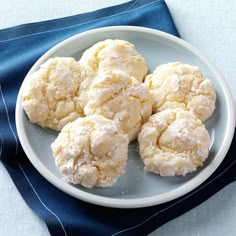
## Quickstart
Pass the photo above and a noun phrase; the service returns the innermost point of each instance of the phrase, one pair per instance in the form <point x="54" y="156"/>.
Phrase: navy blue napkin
<point x="20" y="47"/>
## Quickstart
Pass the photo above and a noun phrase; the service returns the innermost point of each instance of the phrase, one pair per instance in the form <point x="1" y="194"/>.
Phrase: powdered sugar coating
<point x="115" y="55"/>
<point x="91" y="151"/>
<point x="117" y="96"/>
<point x="51" y="94"/>
<point x="173" y="142"/>
<point x="181" y="85"/>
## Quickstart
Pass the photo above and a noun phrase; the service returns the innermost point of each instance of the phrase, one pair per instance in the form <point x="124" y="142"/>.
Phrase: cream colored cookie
<point x="115" y="55"/>
<point x="173" y="142"/>
<point x="91" y="151"/>
<point x="50" y="95"/>
<point x="117" y="96"/>
<point x="181" y="85"/>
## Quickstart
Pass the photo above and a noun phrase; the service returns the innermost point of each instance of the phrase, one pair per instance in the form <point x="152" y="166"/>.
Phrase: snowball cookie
<point x="117" y="96"/>
<point x="91" y="151"/>
<point x="50" y="95"/>
<point x="173" y="142"/>
<point x="115" y="54"/>
<point x="180" y="85"/>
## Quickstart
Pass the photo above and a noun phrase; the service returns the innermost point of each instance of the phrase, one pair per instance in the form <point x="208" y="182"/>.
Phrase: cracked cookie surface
<point x="50" y="95"/>
<point x="115" y="55"/>
<point x="173" y="142"/>
<point x="91" y="151"/>
<point x="178" y="85"/>
<point x="118" y="96"/>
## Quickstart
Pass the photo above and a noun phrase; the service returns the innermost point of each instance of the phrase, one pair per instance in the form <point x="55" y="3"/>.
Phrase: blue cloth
<point x="20" y="47"/>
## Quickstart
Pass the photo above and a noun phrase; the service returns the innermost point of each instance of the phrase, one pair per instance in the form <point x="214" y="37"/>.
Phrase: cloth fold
<point x="20" y="47"/>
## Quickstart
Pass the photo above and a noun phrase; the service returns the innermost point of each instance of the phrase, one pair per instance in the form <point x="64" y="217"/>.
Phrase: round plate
<point x="135" y="188"/>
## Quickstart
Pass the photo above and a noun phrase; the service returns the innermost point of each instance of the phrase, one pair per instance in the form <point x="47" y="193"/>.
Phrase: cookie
<point x="91" y="151"/>
<point x="115" y="55"/>
<point x="178" y="85"/>
<point x="50" y="95"/>
<point x="116" y="95"/>
<point x="173" y="142"/>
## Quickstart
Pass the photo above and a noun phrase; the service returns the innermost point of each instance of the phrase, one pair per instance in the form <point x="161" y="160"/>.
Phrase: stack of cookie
<point x="106" y="99"/>
<point x="175" y="141"/>
<point x="98" y="104"/>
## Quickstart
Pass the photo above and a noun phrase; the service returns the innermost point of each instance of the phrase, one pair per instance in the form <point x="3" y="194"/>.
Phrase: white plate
<point x="135" y="188"/>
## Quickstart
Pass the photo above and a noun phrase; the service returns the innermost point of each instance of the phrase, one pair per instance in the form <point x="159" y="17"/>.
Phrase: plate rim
<point x="131" y="202"/>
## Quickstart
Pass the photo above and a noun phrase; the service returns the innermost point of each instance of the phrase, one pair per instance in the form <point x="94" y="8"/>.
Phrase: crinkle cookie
<point x="181" y="85"/>
<point x="115" y="55"/>
<point x="50" y="95"/>
<point x="173" y="142"/>
<point x="91" y="151"/>
<point x="117" y="96"/>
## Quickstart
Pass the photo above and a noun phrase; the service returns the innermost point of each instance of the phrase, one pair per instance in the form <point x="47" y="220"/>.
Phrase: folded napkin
<point x="20" y="47"/>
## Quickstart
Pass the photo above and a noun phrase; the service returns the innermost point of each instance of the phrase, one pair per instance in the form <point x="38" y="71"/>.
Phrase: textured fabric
<point x="20" y="47"/>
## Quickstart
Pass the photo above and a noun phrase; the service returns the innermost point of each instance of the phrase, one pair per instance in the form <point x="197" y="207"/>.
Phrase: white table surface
<point x="208" y="25"/>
